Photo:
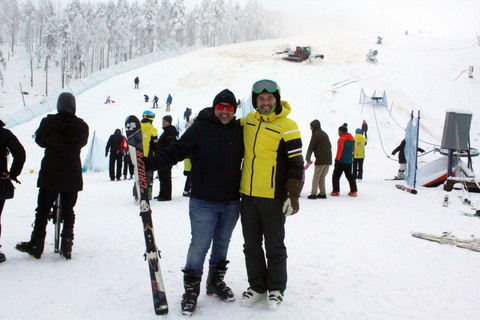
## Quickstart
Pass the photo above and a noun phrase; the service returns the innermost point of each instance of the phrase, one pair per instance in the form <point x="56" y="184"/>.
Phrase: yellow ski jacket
<point x="360" y="143"/>
<point x="150" y="138"/>
<point x="273" y="153"/>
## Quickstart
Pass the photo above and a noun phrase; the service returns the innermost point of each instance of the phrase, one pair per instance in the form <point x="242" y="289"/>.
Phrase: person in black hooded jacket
<point x="214" y="143"/>
<point x="168" y="137"/>
<point x="62" y="135"/>
<point x="9" y="144"/>
<point x="114" y="145"/>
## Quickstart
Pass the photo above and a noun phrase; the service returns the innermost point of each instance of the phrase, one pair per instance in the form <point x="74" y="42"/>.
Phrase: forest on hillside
<point x="84" y="37"/>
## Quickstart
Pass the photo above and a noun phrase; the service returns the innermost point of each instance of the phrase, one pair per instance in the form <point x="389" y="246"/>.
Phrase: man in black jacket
<point x="62" y="135"/>
<point x="9" y="144"/>
<point x="321" y="147"/>
<point x="114" y="145"/>
<point x="214" y="143"/>
<point x="168" y="137"/>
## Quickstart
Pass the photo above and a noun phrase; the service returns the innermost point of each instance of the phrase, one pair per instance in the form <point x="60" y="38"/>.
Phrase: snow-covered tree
<point x="178" y="22"/>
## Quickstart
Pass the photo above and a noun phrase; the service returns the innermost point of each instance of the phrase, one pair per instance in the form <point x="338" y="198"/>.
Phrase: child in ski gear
<point x="127" y="164"/>
<point x="155" y="102"/>
<point x="402" y="160"/>
<point x="322" y="149"/>
<point x="169" y="102"/>
<point x="168" y="137"/>
<point x="114" y="145"/>
<point x="270" y="187"/>
<point x="215" y="146"/>
<point x="63" y="135"/>
<point x="359" y="154"/>
<point x="343" y="162"/>
<point x="9" y="144"/>
<point x="146" y="97"/>
<point x="108" y="100"/>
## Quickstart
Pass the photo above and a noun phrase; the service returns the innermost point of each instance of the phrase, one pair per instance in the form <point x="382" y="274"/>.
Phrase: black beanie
<point x="168" y="119"/>
<point x="342" y="129"/>
<point x="66" y="103"/>
<point x="226" y="96"/>
<point x="315" y="125"/>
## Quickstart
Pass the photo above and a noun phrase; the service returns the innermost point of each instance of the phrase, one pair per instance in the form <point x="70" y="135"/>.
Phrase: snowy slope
<point x="349" y="258"/>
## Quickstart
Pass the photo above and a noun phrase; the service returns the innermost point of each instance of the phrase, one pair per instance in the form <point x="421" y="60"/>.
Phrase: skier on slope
<point x="402" y="161"/>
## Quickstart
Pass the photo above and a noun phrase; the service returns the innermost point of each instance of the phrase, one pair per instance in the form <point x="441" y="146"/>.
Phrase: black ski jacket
<point x="114" y="144"/>
<point x="10" y="144"/>
<point x="216" y="152"/>
<point x="62" y="136"/>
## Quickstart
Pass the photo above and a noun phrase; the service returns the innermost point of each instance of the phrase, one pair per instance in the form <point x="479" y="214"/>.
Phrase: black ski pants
<point x="127" y="166"/>
<point x="115" y="162"/>
<point x="263" y="219"/>
<point x="358" y="168"/>
<point x="45" y="203"/>
<point x="165" y="177"/>
<point x="337" y="173"/>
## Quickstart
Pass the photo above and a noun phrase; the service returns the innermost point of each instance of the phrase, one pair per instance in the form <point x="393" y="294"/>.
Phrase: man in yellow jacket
<point x="270" y="186"/>
<point x="359" y="154"/>
<point x="150" y="145"/>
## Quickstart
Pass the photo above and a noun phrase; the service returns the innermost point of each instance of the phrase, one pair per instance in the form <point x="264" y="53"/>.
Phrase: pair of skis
<point x="448" y="238"/>
<point x="152" y="254"/>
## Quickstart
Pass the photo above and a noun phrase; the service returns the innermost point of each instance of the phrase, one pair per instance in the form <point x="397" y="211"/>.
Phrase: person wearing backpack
<point x="114" y="145"/>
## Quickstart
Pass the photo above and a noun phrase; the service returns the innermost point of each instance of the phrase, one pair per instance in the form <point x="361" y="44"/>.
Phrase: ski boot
<point x="67" y="243"/>
<point x="192" y="290"/>
<point x="275" y="298"/>
<point x="250" y="297"/>
<point x="34" y="247"/>
<point x="215" y="284"/>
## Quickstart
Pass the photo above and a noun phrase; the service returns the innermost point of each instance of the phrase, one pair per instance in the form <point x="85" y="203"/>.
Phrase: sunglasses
<point x="220" y="107"/>
<point x="265" y="85"/>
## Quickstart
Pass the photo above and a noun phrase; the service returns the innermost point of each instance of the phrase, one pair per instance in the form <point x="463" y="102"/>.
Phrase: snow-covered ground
<point x="348" y="258"/>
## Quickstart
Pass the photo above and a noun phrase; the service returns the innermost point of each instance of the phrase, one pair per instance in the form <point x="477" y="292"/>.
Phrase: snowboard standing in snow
<point x="448" y="238"/>
<point x="152" y="254"/>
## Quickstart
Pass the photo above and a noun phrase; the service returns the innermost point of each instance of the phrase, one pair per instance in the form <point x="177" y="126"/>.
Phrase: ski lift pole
<point x="416" y="148"/>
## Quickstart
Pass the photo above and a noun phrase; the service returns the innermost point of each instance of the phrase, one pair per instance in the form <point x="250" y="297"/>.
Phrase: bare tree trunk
<point x="13" y="33"/>
<point x="93" y="59"/>
<point x="108" y="53"/>
<point x="31" y="70"/>
<point x="46" y="76"/>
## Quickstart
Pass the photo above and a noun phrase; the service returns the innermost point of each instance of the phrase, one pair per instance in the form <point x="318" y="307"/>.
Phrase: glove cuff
<point x="294" y="187"/>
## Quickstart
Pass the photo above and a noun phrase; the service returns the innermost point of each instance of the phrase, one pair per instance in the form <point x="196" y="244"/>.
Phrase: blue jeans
<point x="210" y="221"/>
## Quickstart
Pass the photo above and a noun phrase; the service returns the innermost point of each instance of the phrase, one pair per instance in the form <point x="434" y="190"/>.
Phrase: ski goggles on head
<point x="265" y="85"/>
<point x="220" y="107"/>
